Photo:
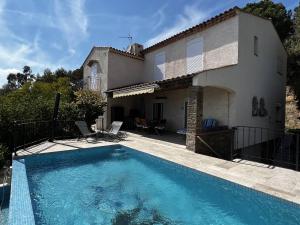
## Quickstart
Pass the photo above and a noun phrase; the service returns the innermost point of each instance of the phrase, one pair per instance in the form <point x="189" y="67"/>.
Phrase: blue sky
<point x="60" y="33"/>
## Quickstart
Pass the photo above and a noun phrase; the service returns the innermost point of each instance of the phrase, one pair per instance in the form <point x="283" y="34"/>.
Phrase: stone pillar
<point x="194" y="116"/>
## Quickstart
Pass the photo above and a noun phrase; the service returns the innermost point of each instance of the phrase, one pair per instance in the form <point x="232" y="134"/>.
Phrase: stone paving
<point x="280" y="182"/>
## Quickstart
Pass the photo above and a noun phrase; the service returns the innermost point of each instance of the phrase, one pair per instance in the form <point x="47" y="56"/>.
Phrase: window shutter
<point x="159" y="67"/>
<point x="194" y="55"/>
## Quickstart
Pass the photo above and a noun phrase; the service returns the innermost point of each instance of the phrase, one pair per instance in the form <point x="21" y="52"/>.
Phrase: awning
<point x="134" y="90"/>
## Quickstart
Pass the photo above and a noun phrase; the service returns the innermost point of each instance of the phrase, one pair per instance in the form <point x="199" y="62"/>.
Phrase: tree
<point x="19" y="79"/>
<point x="90" y="104"/>
<point x="293" y="49"/>
<point x="280" y="16"/>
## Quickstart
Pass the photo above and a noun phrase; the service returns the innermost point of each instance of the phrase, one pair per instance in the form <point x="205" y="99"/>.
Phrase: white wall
<point x="217" y="104"/>
<point x="253" y="75"/>
<point x="101" y="56"/>
<point x="123" y="70"/>
<point x="220" y="48"/>
<point x="173" y="107"/>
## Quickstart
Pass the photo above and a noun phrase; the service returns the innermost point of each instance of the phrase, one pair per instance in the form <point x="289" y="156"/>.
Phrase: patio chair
<point x="84" y="130"/>
<point x="138" y="123"/>
<point x="160" y="127"/>
<point x="206" y="124"/>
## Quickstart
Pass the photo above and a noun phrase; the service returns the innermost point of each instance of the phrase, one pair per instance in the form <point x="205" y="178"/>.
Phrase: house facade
<point x="231" y="68"/>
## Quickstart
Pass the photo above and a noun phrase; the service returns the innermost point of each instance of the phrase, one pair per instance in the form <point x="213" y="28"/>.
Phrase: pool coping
<point x="21" y="211"/>
<point x="20" y="207"/>
<point x="275" y="181"/>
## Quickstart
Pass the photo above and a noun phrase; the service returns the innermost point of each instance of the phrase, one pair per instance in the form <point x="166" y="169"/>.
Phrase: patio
<point x="279" y="182"/>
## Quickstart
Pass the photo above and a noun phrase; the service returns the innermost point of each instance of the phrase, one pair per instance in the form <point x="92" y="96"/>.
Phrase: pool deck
<point x="276" y="181"/>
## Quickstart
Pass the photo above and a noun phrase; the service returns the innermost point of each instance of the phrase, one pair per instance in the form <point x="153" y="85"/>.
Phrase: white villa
<point x="231" y="68"/>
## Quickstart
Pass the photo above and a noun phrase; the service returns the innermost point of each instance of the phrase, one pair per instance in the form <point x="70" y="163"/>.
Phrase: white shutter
<point x="194" y="55"/>
<point x="159" y="66"/>
<point x="93" y="77"/>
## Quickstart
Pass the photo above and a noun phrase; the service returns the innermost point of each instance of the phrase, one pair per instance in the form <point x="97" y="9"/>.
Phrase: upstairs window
<point x="159" y="66"/>
<point x="194" y="55"/>
<point x="255" y="45"/>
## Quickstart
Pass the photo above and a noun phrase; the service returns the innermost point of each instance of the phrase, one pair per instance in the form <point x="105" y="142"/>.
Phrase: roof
<point x="148" y="87"/>
<point x="195" y="29"/>
<point x="114" y="50"/>
<point x="188" y="32"/>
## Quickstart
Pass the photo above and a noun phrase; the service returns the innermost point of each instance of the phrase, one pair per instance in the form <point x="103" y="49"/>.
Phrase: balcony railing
<point x="27" y="133"/>
<point x="92" y="83"/>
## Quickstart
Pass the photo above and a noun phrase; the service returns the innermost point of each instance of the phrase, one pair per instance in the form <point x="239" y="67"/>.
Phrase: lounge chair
<point x="114" y="131"/>
<point x="84" y="130"/>
<point x="114" y="128"/>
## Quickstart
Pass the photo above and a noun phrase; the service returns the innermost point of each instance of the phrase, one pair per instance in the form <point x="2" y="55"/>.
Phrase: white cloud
<point x="5" y="72"/>
<point x="72" y="21"/>
<point x="69" y="17"/>
<point x="190" y="17"/>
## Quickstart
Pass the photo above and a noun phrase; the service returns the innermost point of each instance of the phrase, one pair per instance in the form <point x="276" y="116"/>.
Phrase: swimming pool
<point x="118" y="185"/>
<point x="4" y="196"/>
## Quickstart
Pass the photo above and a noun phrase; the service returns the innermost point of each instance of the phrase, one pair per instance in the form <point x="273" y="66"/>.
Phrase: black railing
<point x="273" y="147"/>
<point x="27" y="133"/>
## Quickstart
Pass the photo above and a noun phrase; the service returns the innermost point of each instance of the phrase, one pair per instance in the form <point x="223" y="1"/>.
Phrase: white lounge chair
<point x="84" y="130"/>
<point x="114" y="128"/>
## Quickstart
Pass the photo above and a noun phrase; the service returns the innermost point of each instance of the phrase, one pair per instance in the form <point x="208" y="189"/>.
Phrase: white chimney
<point x="135" y="49"/>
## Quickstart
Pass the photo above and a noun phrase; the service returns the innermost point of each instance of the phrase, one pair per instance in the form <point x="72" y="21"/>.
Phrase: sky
<point x="60" y="33"/>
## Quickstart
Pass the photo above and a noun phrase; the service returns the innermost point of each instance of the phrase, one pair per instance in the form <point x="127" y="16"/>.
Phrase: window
<point x="93" y="77"/>
<point x="255" y="45"/>
<point x="194" y="55"/>
<point x="158" y="111"/>
<point x="159" y="66"/>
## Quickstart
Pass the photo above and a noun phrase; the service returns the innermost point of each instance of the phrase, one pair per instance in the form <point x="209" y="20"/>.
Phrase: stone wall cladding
<point x="292" y="113"/>
<point x="194" y="116"/>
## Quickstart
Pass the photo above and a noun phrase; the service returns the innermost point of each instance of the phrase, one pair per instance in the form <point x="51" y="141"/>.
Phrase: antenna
<point x="129" y="37"/>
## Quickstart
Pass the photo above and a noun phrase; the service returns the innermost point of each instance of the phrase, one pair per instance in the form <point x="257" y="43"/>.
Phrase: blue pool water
<point x="5" y="204"/>
<point x="121" y="186"/>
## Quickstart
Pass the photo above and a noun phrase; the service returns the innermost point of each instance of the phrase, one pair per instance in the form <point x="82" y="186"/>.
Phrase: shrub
<point x="4" y="155"/>
<point x="90" y="104"/>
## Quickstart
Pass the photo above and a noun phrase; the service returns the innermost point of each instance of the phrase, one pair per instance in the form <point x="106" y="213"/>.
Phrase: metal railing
<point x="27" y="133"/>
<point x="273" y="147"/>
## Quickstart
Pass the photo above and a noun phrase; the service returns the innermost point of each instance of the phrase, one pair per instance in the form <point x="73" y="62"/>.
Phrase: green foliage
<point x="280" y="16"/>
<point x="4" y="154"/>
<point x="19" y="79"/>
<point x="90" y="104"/>
<point x="293" y="49"/>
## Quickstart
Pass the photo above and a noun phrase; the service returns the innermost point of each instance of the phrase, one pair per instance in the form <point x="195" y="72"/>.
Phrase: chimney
<point x="135" y="49"/>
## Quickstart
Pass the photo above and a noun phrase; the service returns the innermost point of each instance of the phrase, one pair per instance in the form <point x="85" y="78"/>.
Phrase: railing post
<point x="232" y="143"/>
<point x="297" y="152"/>
<point x="14" y="150"/>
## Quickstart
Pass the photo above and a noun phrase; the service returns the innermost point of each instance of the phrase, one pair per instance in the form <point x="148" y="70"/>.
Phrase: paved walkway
<point x="280" y="182"/>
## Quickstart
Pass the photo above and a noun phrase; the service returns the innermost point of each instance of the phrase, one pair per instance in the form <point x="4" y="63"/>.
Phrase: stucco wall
<point x="173" y="107"/>
<point x="253" y="75"/>
<point x="220" y="49"/>
<point x="101" y="56"/>
<point x="216" y="104"/>
<point x="123" y="70"/>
